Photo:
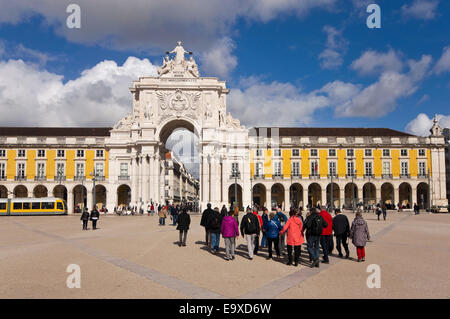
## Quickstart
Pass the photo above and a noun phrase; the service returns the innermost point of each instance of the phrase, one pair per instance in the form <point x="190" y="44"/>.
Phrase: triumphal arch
<point x="180" y="98"/>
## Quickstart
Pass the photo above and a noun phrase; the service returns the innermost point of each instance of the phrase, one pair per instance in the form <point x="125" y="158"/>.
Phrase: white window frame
<point x="350" y="152"/>
<point x="388" y="152"/>
<point x="401" y="152"/>
<point x="98" y="164"/>
<point x="258" y="152"/>
<point x="41" y="153"/>
<point x="24" y="153"/>
<point x="368" y="152"/>
<point x="123" y="164"/>
<point x="386" y="164"/>
<point x="368" y="168"/>
<point x="82" y="152"/>
<point x="277" y="152"/>
<point x="2" y="170"/>
<point x="259" y="169"/>
<point x="2" y="153"/>
<point x="102" y="154"/>
<point x="332" y="168"/>
<point x="77" y="170"/>
<point x="277" y="168"/>
<point x="422" y="170"/>
<point x="312" y="171"/>
<point x="315" y="151"/>
<point x="424" y="152"/>
<point x="297" y="151"/>
<point x="63" y="153"/>
<point x="350" y="167"/>
<point x="329" y="152"/>
<point x="404" y="164"/>
<point x="40" y="173"/>
<point x="24" y="169"/>
<point x="295" y="169"/>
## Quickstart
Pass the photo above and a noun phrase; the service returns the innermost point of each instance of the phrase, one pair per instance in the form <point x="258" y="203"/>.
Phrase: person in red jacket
<point x="255" y="212"/>
<point x="327" y="235"/>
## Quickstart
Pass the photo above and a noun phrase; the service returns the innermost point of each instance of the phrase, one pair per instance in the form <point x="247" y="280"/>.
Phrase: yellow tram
<point x="32" y="206"/>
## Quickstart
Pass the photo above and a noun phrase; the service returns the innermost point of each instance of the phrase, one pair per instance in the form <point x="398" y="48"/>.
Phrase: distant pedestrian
<point x="183" y="221"/>
<point x="250" y="228"/>
<point x="95" y="215"/>
<point x="384" y="212"/>
<point x="162" y="215"/>
<point x="326" y="238"/>
<point x="85" y="218"/>
<point x="314" y="225"/>
<point x="213" y="223"/>
<point x="203" y="222"/>
<point x="294" y="227"/>
<point x="379" y="211"/>
<point x="255" y="212"/>
<point x="359" y="233"/>
<point x="416" y="209"/>
<point x="282" y="218"/>
<point x="230" y="231"/>
<point x="265" y="219"/>
<point x="341" y="228"/>
<point x="272" y="231"/>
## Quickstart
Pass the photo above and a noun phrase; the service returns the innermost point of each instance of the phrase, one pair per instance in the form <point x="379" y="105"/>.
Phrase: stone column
<point x="69" y="203"/>
<point x="145" y="180"/>
<point x="324" y="196"/>
<point x="140" y="179"/>
<point x="377" y="194"/>
<point x="305" y="196"/>
<point x="157" y="171"/>
<point x="89" y="198"/>
<point x="269" y="198"/>
<point x="413" y="197"/>
<point x="287" y="199"/>
<point x="134" y="177"/>
<point x="360" y="194"/>
<point x="396" y="195"/>
<point x="341" y="196"/>
<point x="151" y="179"/>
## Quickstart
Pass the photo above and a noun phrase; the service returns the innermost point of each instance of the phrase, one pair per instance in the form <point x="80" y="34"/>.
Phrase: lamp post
<point x="353" y="189"/>
<point x="429" y="190"/>
<point x="332" y="193"/>
<point x="94" y="174"/>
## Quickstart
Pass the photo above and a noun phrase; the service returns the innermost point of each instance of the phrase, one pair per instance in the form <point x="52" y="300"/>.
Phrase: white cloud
<point x="421" y="9"/>
<point x="443" y="64"/>
<point x="219" y="60"/>
<point x="422" y="123"/>
<point x="277" y="104"/>
<point x="372" y="62"/>
<point x="99" y="97"/>
<point x="156" y="24"/>
<point x="336" y="46"/>
<point x="380" y="98"/>
<point x="423" y="99"/>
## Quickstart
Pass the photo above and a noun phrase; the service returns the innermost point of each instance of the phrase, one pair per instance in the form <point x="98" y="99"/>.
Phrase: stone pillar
<point x="377" y="194"/>
<point x="396" y="195"/>
<point x="413" y="197"/>
<point x="134" y="177"/>
<point x="157" y="171"/>
<point x="151" y="179"/>
<point x="269" y="198"/>
<point x="305" y="197"/>
<point x="324" y="196"/>
<point x="360" y="194"/>
<point x="287" y="199"/>
<point x="111" y="198"/>
<point x="341" y="196"/>
<point x="145" y="180"/>
<point x="89" y="198"/>
<point x="70" y="208"/>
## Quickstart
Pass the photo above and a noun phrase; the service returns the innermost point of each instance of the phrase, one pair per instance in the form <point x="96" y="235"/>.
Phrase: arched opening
<point x="333" y="196"/>
<point x="232" y="190"/>
<point x="277" y="194"/>
<point x="181" y="169"/>
<point x="259" y="195"/>
<point x="422" y="196"/>
<point x="387" y="195"/>
<point x="296" y="195"/>
<point x="123" y="195"/>
<point x="405" y="195"/>
<point x="100" y="196"/>
<point x="351" y="196"/>
<point x="3" y="192"/>
<point x="314" y="195"/>
<point x="40" y="191"/>
<point x="20" y="191"/>
<point x="60" y="191"/>
<point x="79" y="197"/>
<point x="369" y="195"/>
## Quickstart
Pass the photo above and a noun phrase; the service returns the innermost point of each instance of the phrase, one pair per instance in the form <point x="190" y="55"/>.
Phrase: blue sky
<point x="288" y="63"/>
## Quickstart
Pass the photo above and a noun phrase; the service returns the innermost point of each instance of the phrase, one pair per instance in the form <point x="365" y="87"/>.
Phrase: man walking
<point x="94" y="217"/>
<point x="282" y="218"/>
<point x="213" y="223"/>
<point x="203" y="222"/>
<point x="341" y="228"/>
<point x="326" y="237"/>
<point x="255" y="212"/>
<point x="85" y="218"/>
<point x="250" y="228"/>
<point x="314" y="225"/>
<point x="184" y="220"/>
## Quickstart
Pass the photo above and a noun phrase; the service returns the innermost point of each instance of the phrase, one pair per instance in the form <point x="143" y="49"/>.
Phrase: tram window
<point x="59" y="206"/>
<point x="26" y="205"/>
<point x="2" y="206"/>
<point x="47" y="205"/>
<point x="17" y="205"/>
<point x="36" y="205"/>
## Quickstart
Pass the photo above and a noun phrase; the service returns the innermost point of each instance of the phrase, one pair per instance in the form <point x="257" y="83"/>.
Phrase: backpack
<point x="214" y="223"/>
<point x="250" y="225"/>
<point x="316" y="225"/>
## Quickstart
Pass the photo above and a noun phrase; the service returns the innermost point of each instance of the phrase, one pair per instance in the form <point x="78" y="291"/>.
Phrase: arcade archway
<point x="314" y="195"/>
<point x="232" y="196"/>
<point x="40" y="191"/>
<point x="3" y="192"/>
<point x="259" y="195"/>
<point x="277" y="195"/>
<point x="123" y="195"/>
<point x="20" y="191"/>
<point x="296" y="195"/>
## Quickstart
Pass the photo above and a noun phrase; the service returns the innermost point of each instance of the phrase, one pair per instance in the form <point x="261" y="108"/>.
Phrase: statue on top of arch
<point x="178" y="66"/>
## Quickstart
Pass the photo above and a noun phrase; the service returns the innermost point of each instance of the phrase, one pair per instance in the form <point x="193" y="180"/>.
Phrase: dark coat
<point x="95" y="213"/>
<point x="341" y="225"/>
<point x="205" y="217"/>
<point x="245" y="220"/>
<point x="85" y="216"/>
<point x="359" y="233"/>
<point x="308" y="224"/>
<point x="272" y="228"/>
<point x="211" y="220"/>
<point x="184" y="220"/>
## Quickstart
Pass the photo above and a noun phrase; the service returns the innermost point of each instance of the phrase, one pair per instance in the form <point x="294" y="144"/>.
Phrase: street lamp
<point x="94" y="174"/>
<point x="332" y="192"/>
<point x="354" y="171"/>
<point x="429" y="190"/>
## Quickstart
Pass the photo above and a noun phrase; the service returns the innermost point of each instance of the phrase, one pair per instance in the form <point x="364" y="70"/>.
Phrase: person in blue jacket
<point x="272" y="231"/>
<point x="282" y="218"/>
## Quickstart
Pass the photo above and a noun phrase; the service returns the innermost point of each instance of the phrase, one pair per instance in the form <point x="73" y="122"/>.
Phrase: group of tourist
<point x="94" y="216"/>
<point x="280" y="232"/>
